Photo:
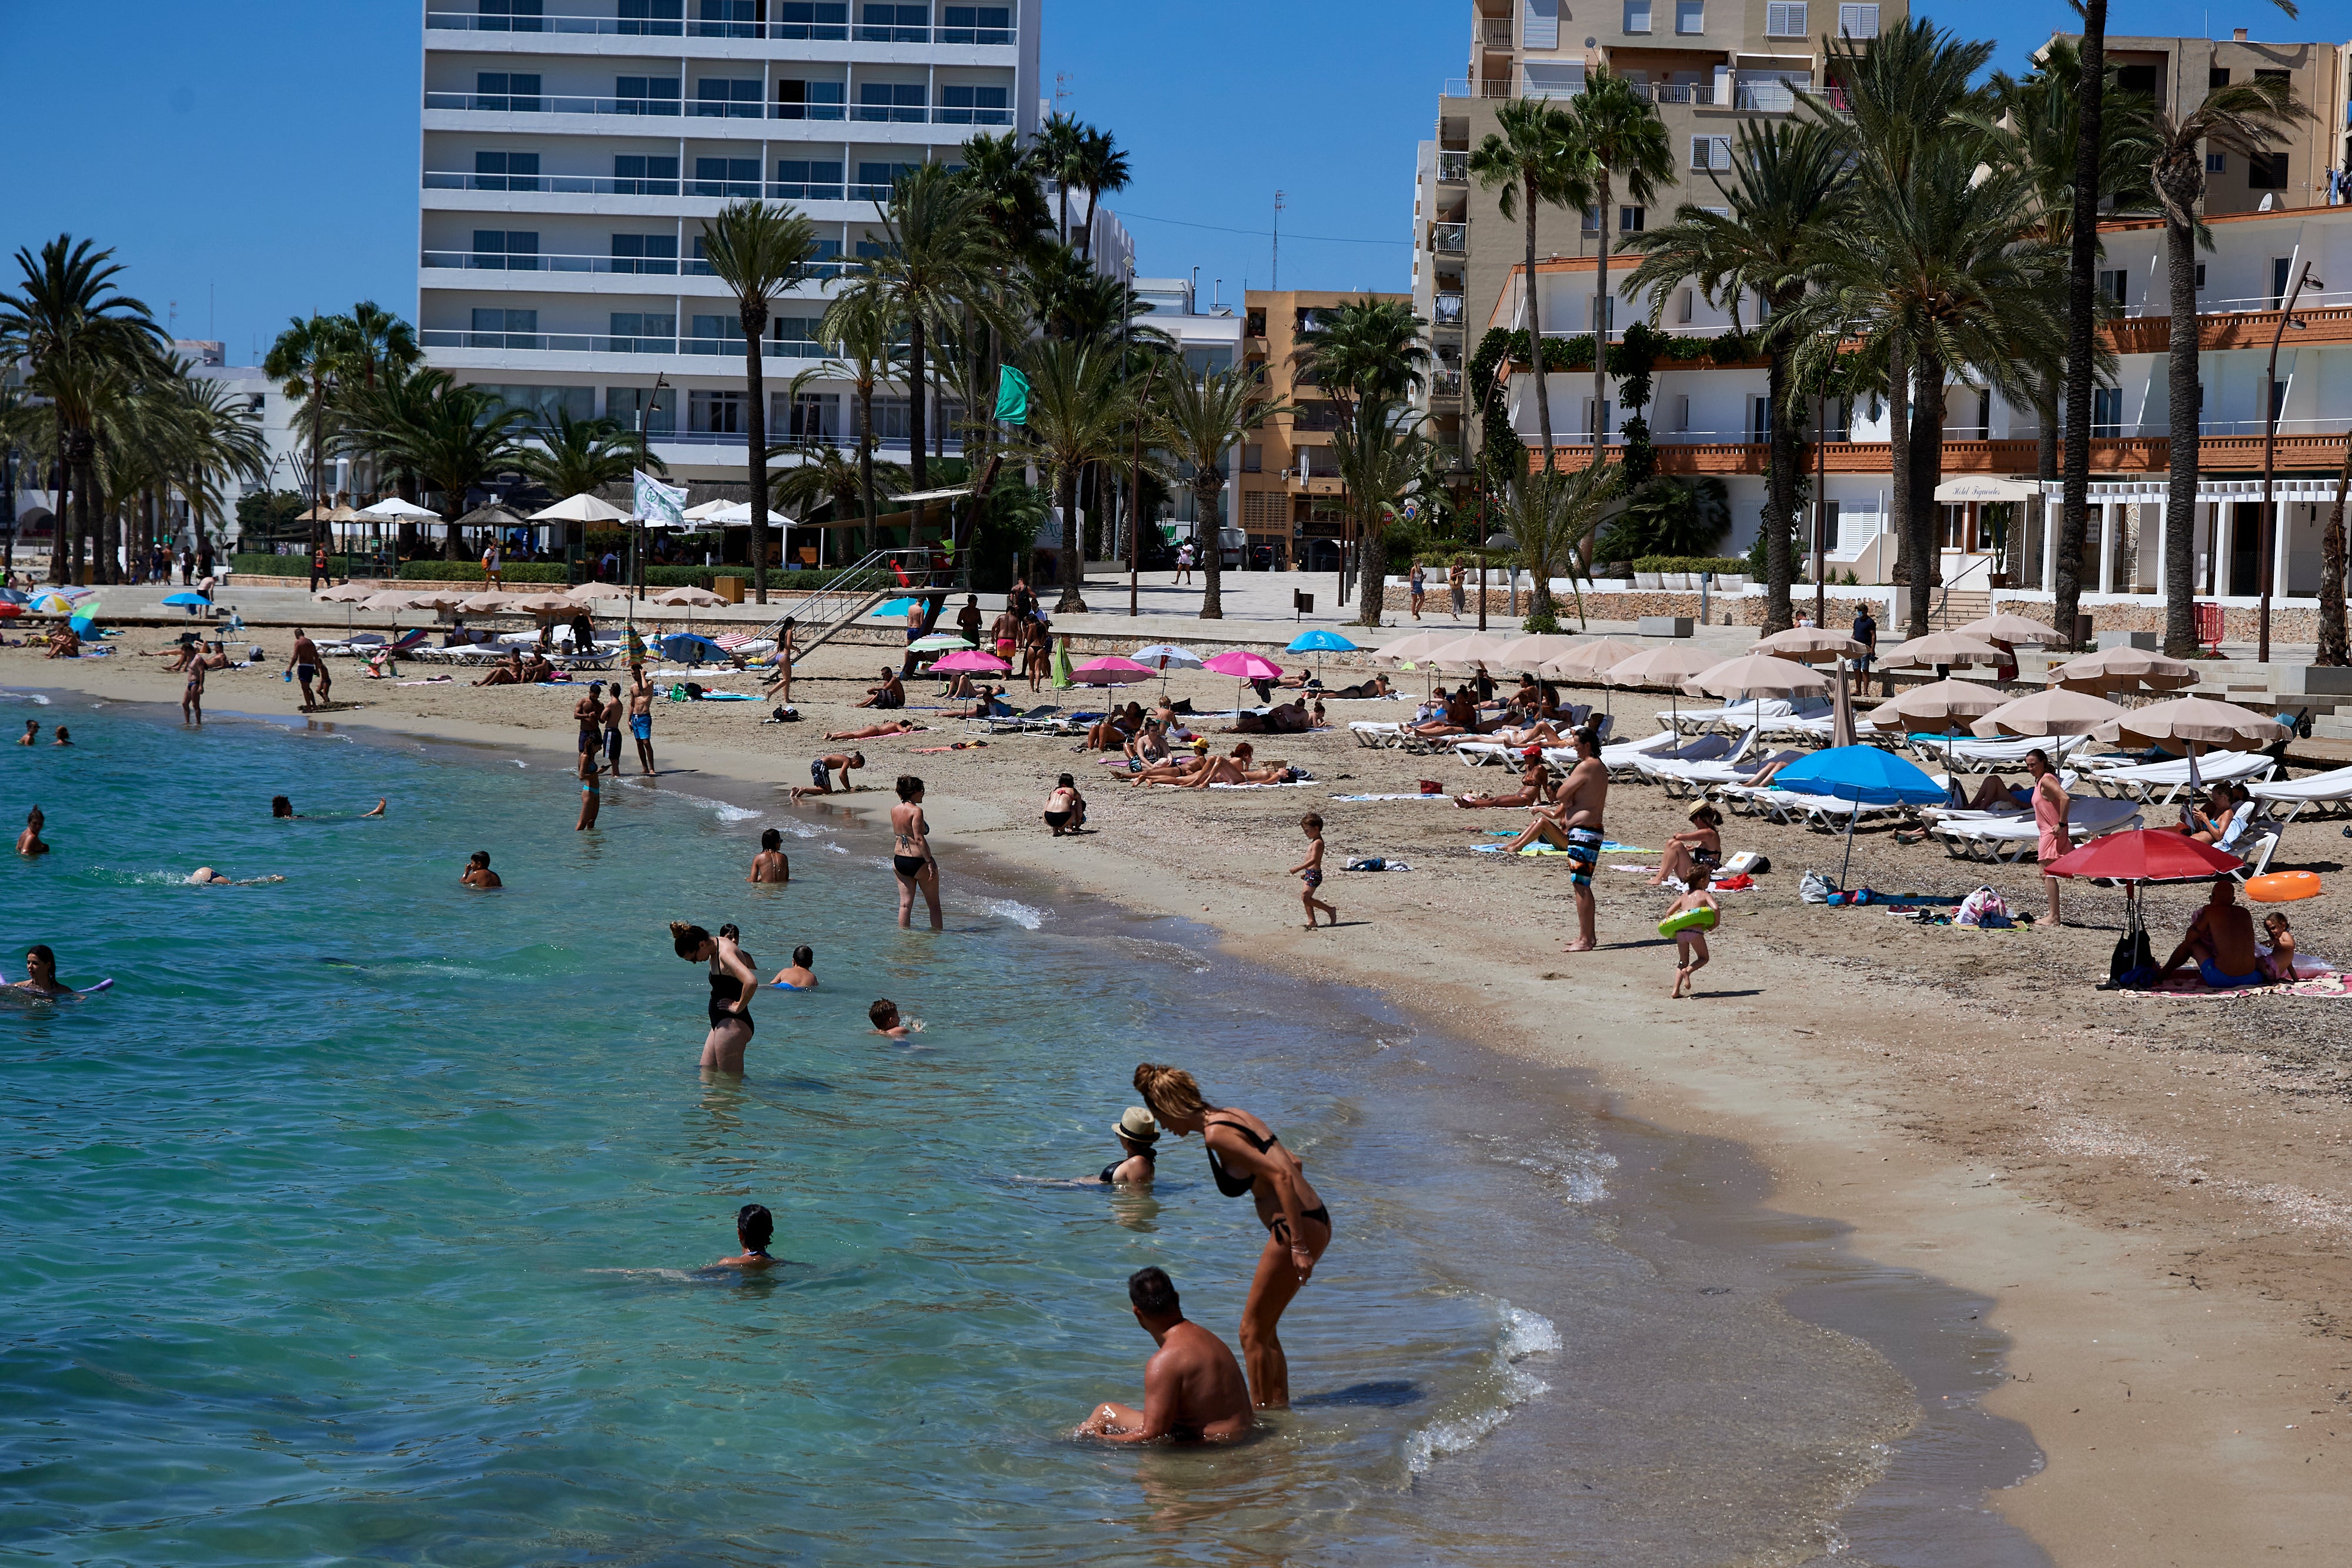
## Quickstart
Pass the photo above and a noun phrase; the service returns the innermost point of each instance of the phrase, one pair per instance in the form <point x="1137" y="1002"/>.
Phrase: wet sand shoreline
<point x="2175" y="1403"/>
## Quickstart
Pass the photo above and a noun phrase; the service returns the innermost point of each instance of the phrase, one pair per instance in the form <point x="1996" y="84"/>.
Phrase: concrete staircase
<point x="1958" y="606"/>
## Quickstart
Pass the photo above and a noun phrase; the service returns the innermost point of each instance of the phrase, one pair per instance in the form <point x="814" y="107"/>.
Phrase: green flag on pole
<point x="1012" y="396"/>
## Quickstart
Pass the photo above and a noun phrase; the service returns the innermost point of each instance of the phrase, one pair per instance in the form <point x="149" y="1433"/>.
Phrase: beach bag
<point x="1747" y="862"/>
<point x="1368" y="863"/>
<point x="1982" y="907"/>
<point x="1431" y="786"/>
<point x="2133" y="965"/>
<point x="1814" y="888"/>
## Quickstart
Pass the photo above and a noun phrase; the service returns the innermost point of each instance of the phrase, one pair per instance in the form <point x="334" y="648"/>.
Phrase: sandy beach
<point x="2148" y="1190"/>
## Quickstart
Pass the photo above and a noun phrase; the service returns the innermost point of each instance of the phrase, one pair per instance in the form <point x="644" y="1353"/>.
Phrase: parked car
<point x="1262" y="558"/>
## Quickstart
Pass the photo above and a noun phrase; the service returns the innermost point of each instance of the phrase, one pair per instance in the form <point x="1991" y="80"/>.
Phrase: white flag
<point x="656" y="505"/>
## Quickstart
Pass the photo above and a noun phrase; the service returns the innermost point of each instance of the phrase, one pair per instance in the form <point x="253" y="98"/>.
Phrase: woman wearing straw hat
<point x="1136" y="1131"/>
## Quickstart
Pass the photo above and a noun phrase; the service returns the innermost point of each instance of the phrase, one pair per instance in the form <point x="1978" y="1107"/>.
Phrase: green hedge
<point x="471" y="572"/>
<point x="1690" y="564"/>
<point x="258" y="565"/>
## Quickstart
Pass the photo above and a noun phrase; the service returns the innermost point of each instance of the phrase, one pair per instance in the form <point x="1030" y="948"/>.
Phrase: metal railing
<point x="1449" y="239"/>
<point x="1446" y="310"/>
<point x="1454" y="168"/>
<point x="714" y="109"/>
<point x="2310" y="299"/>
<point x="1490" y="87"/>
<point x="602" y="343"/>
<point x="1495" y="32"/>
<point x="1699" y="92"/>
<point x="1445" y="383"/>
<point x="676" y="26"/>
<point x="551" y="103"/>
<point x="1767" y="95"/>
<point x="850" y="594"/>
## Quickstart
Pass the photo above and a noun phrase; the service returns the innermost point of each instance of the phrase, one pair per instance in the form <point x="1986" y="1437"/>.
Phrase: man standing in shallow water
<point x="1193" y="1391"/>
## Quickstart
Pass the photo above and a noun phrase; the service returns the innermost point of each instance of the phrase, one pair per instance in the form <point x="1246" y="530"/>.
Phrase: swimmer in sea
<point x="279" y="806"/>
<point x="41" y="973"/>
<point x="29" y="843"/>
<point x="733" y="977"/>
<point x="754" y="1229"/>
<point x="1137" y="1132"/>
<point x="205" y="876"/>
<point x="1193" y="1392"/>
<point x="32" y="736"/>
<point x="798" y="975"/>
<point x="883" y="1016"/>
<point x="478" y="872"/>
<point x="771" y="864"/>
<point x="63" y="737"/>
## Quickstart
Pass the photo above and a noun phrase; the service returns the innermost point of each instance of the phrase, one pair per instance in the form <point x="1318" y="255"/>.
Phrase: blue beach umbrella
<point x="1319" y="642"/>
<point x="691" y="646"/>
<point x="1864" y="775"/>
<point x="189" y="599"/>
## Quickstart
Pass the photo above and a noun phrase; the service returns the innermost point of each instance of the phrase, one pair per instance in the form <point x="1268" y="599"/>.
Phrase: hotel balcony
<point x="700" y="108"/>
<point x="1449" y="239"/>
<point x="1454" y="168"/>
<point x="964" y="24"/>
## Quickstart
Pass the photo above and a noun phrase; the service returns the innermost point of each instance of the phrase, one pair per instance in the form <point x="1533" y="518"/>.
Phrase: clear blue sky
<point x="257" y="161"/>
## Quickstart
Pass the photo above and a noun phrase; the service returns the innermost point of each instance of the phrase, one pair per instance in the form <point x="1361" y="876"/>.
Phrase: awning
<point x="1984" y="487"/>
<point x="949" y="495"/>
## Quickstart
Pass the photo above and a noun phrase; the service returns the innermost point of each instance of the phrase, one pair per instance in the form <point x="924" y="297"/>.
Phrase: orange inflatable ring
<point x="2283" y="886"/>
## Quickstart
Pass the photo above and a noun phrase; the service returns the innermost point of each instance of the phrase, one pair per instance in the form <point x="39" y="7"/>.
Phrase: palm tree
<point x="1364" y="350"/>
<point x="453" y="437"/>
<point x="1059" y="154"/>
<point x="939" y="257"/>
<point x="227" y="443"/>
<point x="580" y="457"/>
<point x="74" y="331"/>
<point x="2244" y="119"/>
<point x="759" y="250"/>
<point x="1070" y="299"/>
<point x="1620" y="136"/>
<point x="1533" y="159"/>
<point x="826" y="475"/>
<point x="1101" y="167"/>
<point x="1787" y="201"/>
<point x="1378" y="459"/>
<point x="376" y="341"/>
<point x="1001" y="171"/>
<point x="865" y="340"/>
<point x="1197" y="422"/>
<point x="1079" y="406"/>
<point x="1551" y="518"/>
<point x="303" y="362"/>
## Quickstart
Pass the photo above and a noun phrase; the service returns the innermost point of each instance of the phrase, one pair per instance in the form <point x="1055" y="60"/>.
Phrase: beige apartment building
<point x="1706" y="64"/>
<point x="2301" y="173"/>
<point x="1287" y="495"/>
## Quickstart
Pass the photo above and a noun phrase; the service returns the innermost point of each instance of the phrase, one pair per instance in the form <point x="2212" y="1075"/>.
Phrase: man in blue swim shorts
<point x="1572" y="823"/>
<point x="2221" y="940"/>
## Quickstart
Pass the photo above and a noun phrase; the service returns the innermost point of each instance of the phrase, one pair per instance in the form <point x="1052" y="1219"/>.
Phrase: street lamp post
<point x="644" y="462"/>
<point x="1494" y="541"/>
<point x="2270" y="455"/>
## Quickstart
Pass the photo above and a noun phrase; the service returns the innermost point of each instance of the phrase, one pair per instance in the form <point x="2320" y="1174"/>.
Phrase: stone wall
<point x="1722" y="610"/>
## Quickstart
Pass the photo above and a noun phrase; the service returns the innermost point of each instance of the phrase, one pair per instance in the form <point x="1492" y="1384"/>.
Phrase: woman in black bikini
<point x="1246" y="1157"/>
<point x="910" y="852"/>
<point x="734" y="976"/>
<point x="1137" y="1161"/>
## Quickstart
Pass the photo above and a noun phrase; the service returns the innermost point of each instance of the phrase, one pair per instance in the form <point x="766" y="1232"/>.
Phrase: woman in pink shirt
<point x="2050" y="805"/>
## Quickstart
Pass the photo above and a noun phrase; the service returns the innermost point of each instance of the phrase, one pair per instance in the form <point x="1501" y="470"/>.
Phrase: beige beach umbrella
<point x="436" y="598"/>
<point x="1410" y="648"/>
<point x="1586" y="661"/>
<point x="1945" y="648"/>
<point x="2124" y="670"/>
<point x="691" y="598"/>
<point x="1534" y="649"/>
<point x="494" y="601"/>
<point x="584" y="507"/>
<point x="1473" y="648"/>
<point x="2061" y="710"/>
<point x="1758" y="675"/>
<point x="342" y="594"/>
<point x="1941" y="707"/>
<point x="1668" y="666"/>
<point x="1809" y="645"/>
<point x="2011" y="628"/>
<point x="2195" y="725"/>
<point x="542" y="603"/>
<point x="589" y="592"/>
<point x="388" y="599"/>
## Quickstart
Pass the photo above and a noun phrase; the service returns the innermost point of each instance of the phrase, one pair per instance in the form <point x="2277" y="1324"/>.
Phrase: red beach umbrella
<point x="2145" y="854"/>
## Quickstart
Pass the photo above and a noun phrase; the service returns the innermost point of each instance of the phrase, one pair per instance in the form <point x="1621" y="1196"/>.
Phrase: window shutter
<point x="1857" y="21"/>
<point x="1784" y="19"/>
<point x="1539" y="24"/>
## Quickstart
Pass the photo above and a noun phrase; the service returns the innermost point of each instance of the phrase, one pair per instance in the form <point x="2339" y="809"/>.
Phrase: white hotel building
<point x="570" y="148"/>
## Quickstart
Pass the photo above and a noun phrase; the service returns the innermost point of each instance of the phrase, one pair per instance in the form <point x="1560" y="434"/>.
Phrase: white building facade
<point x="572" y="149"/>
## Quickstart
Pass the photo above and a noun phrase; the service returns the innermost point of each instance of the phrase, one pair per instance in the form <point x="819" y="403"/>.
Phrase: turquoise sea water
<point x="359" y="1220"/>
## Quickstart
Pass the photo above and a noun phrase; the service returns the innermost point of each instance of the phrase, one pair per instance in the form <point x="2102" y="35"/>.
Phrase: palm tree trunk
<point x="1780" y="500"/>
<point x="2081" y="319"/>
<point x="1599" y="331"/>
<point x="2332" y="641"/>
<point x="1074" y="544"/>
<point x="755" y="317"/>
<point x="2181" y="495"/>
<point x="86" y="477"/>
<point x="1212" y="559"/>
<point x="1898" y="450"/>
<point x="866" y="465"/>
<point x="1535" y="337"/>
<point x="1087" y="234"/>
<point x="1926" y="463"/>
<point x="58" y="528"/>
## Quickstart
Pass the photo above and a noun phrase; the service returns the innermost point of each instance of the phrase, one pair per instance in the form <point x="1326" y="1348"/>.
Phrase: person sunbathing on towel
<point x="2221" y="939"/>
<point x="1115" y="728"/>
<point x="1285" y="718"/>
<point x="1378" y="686"/>
<point x="983" y="703"/>
<point x="1539" y="732"/>
<point x="1236" y="769"/>
<point x="536" y="669"/>
<point x="875" y="731"/>
<point x="1175" y="770"/>
<point x="1692" y="857"/>
<point x="1995" y="794"/>
<point x="507" y="675"/>
<point x="1535" y="782"/>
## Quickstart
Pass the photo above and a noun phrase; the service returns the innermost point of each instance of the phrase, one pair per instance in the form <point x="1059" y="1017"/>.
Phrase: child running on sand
<point x="1309" y="872"/>
<point x="1690" y="941"/>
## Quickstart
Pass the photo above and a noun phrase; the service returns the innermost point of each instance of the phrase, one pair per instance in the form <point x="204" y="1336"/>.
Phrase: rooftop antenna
<point x="1277" y="241"/>
<point x="1216" y="293"/>
<point x="1061" y="90"/>
<point x="172" y="318"/>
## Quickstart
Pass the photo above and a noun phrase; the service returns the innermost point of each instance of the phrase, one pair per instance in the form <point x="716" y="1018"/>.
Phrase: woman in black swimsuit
<point x="734" y="976"/>
<point x="1246" y="1157"/>
<point x="911" y="859"/>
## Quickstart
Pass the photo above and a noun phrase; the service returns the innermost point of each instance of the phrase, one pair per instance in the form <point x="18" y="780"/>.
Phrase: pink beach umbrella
<point x="1109" y="671"/>
<point x="1244" y="666"/>
<point x="975" y="660"/>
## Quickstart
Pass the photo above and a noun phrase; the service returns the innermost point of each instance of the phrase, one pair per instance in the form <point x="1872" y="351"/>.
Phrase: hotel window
<point x="505" y="249"/>
<point x="641" y="332"/>
<point x="1637" y="15"/>
<point x="807" y="180"/>
<point x="808" y="100"/>
<point x="509" y="16"/>
<point x="1784" y="19"/>
<point x="1710" y="153"/>
<point x="2106" y="411"/>
<point x="715" y="413"/>
<point x="1857" y="21"/>
<point x="2266" y="172"/>
<point x="975" y="24"/>
<point x="1629" y="219"/>
<point x="874" y="182"/>
<point x="645" y="95"/>
<point x="644" y="175"/>
<point x="800" y="19"/>
<point x="1606" y="406"/>
<point x="1552" y="80"/>
<point x="973" y="106"/>
<point x="1254" y="458"/>
<point x="710" y="329"/>
<point x="2278" y="399"/>
<point x="1685" y="307"/>
<point x="1682" y="413"/>
<point x="2216" y="162"/>
<point x="727" y="177"/>
<point x="896" y="100"/>
<point x="728" y="19"/>
<point x="628" y="404"/>
<point x="811" y="416"/>
<point x="643" y="17"/>
<point x="2200" y="275"/>
<point x="513" y="91"/>
<point x="795" y="338"/>
<point x="645" y="253"/>
<point x="2282" y="267"/>
<point x="728" y="97"/>
<point x="1690" y="15"/>
<point x="894" y="24"/>
<point x="890" y="419"/>
<point x="2216" y="76"/>
<point x="505" y="170"/>
<point x="2113" y="281"/>
<point x="497" y="328"/>
<point x="827" y="261"/>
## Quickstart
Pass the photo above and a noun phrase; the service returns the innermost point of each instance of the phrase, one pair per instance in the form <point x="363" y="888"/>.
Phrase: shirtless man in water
<point x="1193" y="1391"/>
<point x="1572" y="822"/>
<point x="29" y="843"/>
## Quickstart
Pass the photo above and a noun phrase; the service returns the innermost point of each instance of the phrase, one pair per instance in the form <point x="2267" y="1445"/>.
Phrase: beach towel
<point x="1446" y="798"/>
<point x="2185" y="987"/>
<point x="1288" y="784"/>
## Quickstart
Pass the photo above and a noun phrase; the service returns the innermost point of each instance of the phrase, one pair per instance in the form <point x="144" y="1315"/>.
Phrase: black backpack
<point x="2133" y="967"/>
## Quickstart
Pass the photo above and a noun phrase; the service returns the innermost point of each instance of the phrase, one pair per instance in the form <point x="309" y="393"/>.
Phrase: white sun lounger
<point x="2002" y="836"/>
<point x="2323" y="795"/>
<point x="1655" y="768"/>
<point x="1683" y="779"/>
<point x="1735" y="716"/>
<point x="1374" y="736"/>
<point x="1825" y="812"/>
<point x="2156" y="783"/>
<point x="1967" y="751"/>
